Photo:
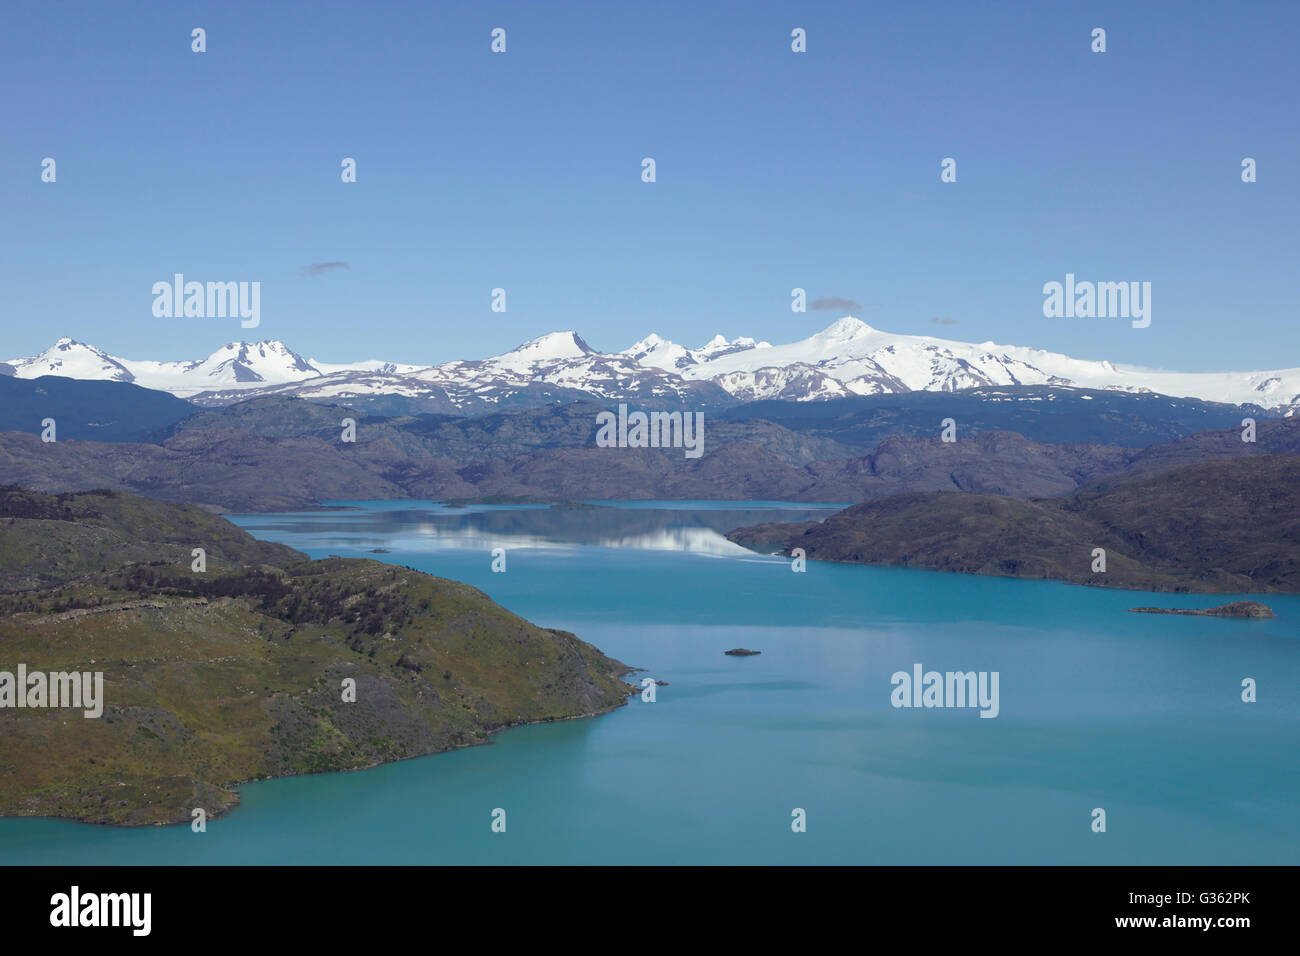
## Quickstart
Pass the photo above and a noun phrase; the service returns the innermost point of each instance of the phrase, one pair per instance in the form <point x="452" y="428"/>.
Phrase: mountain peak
<point x="846" y="328"/>
<point x="267" y="361"/>
<point x="553" y="345"/>
<point x="273" y="345"/>
<point x="72" y="359"/>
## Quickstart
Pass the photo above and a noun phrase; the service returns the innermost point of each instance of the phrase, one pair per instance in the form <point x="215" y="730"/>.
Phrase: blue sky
<point x="775" y="170"/>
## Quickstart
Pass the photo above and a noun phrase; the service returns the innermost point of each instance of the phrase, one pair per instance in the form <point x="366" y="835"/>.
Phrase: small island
<point x="1235" y="609"/>
<point x="741" y="652"/>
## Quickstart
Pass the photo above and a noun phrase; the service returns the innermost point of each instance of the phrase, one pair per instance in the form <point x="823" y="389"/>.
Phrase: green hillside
<point x="236" y="674"/>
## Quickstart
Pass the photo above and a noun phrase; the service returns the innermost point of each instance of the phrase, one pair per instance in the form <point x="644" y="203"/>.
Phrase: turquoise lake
<point x="1140" y="715"/>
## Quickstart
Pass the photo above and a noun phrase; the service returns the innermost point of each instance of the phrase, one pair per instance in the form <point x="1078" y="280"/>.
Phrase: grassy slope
<point x="50" y="539"/>
<point x="236" y="674"/>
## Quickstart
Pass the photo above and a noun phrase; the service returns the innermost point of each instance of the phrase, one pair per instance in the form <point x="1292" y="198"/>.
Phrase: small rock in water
<point x="741" y="652"/>
<point x="1235" y="609"/>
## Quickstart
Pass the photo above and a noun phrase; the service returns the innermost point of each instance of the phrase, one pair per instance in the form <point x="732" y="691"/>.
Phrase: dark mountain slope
<point x="89" y="411"/>
<point x="1226" y="526"/>
<point x="469" y="441"/>
<point x="1044" y="413"/>
<point x="240" y="471"/>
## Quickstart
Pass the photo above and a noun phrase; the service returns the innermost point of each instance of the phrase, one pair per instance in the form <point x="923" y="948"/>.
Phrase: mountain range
<point x="271" y="454"/>
<point x="846" y="359"/>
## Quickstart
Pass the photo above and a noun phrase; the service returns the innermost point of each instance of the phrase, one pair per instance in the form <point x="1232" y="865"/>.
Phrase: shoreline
<point x="1023" y="577"/>
<point x="227" y="809"/>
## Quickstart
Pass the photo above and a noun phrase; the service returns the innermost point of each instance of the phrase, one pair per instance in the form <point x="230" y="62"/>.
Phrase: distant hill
<point x="87" y="410"/>
<point x="237" y="470"/>
<point x="796" y="432"/>
<point x="470" y="440"/>
<point x="1216" y="526"/>
<point x="1044" y="413"/>
<point x="236" y="674"/>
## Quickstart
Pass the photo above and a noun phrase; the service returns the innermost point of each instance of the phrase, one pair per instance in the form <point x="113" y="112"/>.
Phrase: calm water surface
<point x="1138" y="714"/>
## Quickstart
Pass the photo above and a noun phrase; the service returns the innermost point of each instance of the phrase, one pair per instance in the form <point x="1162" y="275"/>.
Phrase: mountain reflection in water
<point x="430" y="526"/>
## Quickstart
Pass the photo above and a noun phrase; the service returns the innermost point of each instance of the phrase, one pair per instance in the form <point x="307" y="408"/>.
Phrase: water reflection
<point x="431" y="526"/>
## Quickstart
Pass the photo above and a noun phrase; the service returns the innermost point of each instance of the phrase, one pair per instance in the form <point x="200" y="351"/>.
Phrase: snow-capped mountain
<point x="846" y="358"/>
<point x="660" y="353"/>
<point x="850" y="357"/>
<point x="557" y="366"/>
<point x="69" y="359"/>
<point x="237" y="365"/>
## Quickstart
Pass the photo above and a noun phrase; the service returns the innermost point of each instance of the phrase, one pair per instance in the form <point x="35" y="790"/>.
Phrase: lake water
<point x="1138" y="714"/>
